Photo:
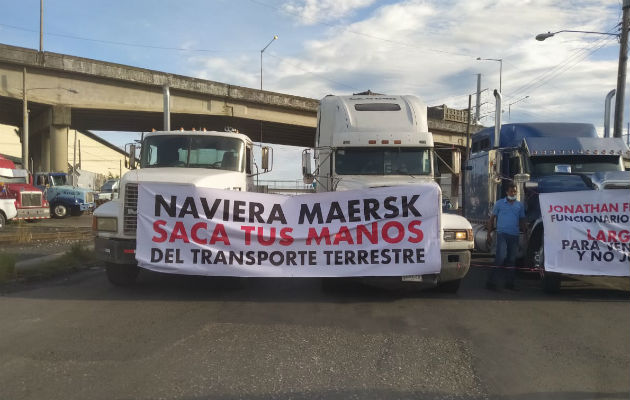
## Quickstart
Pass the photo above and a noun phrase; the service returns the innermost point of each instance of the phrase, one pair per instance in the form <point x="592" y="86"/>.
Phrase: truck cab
<point x="221" y="160"/>
<point x="544" y="158"/>
<point x="15" y="185"/>
<point x="381" y="140"/>
<point x="64" y="199"/>
<point x="7" y="211"/>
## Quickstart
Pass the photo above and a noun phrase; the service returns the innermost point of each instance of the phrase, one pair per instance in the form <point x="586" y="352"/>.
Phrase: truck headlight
<point x="457" y="235"/>
<point x="107" y="224"/>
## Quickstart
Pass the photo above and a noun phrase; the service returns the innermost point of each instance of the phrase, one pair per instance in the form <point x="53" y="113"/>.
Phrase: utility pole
<point x="74" y="161"/>
<point x="478" y="105"/>
<point x="463" y="168"/>
<point x="41" y="25"/>
<point x="621" y="71"/>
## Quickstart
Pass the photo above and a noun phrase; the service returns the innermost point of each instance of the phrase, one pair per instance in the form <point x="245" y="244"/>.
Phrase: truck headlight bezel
<point x="106" y="224"/>
<point x="457" y="235"/>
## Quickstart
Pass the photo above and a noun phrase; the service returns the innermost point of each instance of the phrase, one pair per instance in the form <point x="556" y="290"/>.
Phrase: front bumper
<point x="117" y="251"/>
<point x="455" y="264"/>
<point x="33" y="213"/>
<point x="87" y="206"/>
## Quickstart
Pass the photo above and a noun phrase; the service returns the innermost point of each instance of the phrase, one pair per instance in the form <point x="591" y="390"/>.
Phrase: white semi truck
<point x="220" y="160"/>
<point x="377" y="140"/>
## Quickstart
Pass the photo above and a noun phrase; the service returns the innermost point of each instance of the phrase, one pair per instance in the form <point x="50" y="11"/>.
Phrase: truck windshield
<point x="58" y="180"/>
<point x="108" y="186"/>
<point x="216" y="152"/>
<point x="541" y="166"/>
<point x="383" y="161"/>
<point x="12" y="179"/>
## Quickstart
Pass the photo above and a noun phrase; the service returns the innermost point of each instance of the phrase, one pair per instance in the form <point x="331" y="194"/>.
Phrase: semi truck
<point x="16" y="185"/>
<point x="540" y="158"/>
<point x="64" y="199"/>
<point x="366" y="141"/>
<point x="109" y="191"/>
<point x="220" y="160"/>
<point x="7" y="211"/>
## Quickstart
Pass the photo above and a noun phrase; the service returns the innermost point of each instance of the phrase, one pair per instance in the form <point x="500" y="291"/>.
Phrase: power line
<point x="535" y="85"/>
<point x="541" y="79"/>
<point x="145" y="46"/>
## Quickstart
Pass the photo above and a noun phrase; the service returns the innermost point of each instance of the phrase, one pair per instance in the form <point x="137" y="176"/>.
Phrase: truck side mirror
<point x="265" y="158"/>
<point x="132" y="157"/>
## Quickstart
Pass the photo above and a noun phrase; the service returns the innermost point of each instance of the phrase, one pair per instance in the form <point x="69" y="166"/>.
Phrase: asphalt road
<point x="196" y="338"/>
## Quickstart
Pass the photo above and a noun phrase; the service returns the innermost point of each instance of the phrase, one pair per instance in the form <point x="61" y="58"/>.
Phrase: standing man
<point x="508" y="215"/>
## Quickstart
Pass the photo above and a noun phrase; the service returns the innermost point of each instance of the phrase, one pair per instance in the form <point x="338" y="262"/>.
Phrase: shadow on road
<point x="93" y="285"/>
<point x="427" y="395"/>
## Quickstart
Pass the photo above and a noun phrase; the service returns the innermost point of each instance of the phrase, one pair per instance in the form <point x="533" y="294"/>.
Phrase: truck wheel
<point x="76" y="212"/>
<point x="551" y="281"/>
<point x="59" y="211"/>
<point x="122" y="274"/>
<point x="449" y="286"/>
<point x="3" y="220"/>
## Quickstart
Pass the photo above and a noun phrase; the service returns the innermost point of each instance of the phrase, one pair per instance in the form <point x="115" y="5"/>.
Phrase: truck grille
<point x="130" y="209"/>
<point x="31" y="199"/>
<point x="89" y="197"/>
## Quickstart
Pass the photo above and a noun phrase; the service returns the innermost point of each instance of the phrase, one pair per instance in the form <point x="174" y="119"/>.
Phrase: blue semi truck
<point x="64" y="199"/>
<point x="540" y="158"/>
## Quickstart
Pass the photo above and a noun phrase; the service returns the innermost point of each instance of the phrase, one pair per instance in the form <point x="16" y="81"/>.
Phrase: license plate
<point x="412" y="278"/>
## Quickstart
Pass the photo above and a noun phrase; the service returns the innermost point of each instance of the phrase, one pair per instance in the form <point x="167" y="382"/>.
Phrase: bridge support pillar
<point x="44" y="148"/>
<point x="49" y="134"/>
<point x="59" y="138"/>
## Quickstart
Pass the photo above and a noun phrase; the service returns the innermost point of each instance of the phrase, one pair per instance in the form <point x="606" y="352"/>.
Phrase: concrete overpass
<point x="72" y="92"/>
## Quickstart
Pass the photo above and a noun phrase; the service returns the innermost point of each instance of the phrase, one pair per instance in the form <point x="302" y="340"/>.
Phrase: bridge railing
<point x="284" y="186"/>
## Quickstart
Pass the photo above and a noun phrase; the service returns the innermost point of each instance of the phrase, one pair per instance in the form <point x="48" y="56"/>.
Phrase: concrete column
<point x="59" y="139"/>
<point x="44" y="158"/>
<point x="59" y="148"/>
<point x="39" y="142"/>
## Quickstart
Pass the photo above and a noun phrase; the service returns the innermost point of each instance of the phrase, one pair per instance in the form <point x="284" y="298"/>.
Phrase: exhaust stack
<point x="167" y="108"/>
<point x="497" y="118"/>
<point x="607" y="103"/>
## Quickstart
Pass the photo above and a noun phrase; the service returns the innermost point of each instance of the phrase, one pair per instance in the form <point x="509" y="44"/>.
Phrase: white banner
<point x="587" y="232"/>
<point x="390" y="231"/>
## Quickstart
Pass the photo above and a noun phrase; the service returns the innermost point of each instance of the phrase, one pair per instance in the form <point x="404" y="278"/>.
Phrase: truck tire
<point x="3" y="220"/>
<point x="122" y="274"/>
<point x="76" y="212"/>
<point x="59" y="211"/>
<point x="551" y="281"/>
<point x="449" y="286"/>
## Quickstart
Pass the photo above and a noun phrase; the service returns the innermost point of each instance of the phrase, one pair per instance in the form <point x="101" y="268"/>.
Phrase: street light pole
<point x="621" y="71"/>
<point x="24" y="122"/>
<point x="261" y="59"/>
<point x="500" y="60"/>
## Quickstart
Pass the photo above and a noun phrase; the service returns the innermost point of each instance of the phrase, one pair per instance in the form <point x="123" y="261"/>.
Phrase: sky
<point x="427" y="48"/>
